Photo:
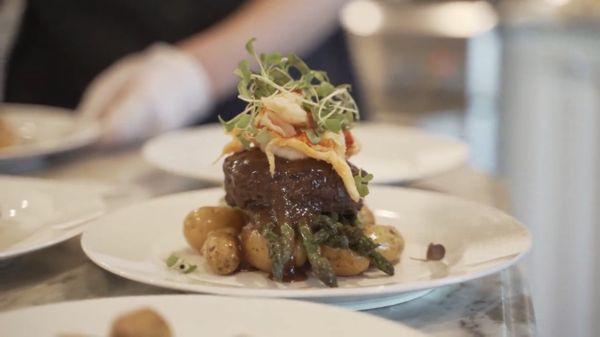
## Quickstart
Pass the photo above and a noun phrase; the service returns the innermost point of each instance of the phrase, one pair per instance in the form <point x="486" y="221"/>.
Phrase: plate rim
<point x="81" y="138"/>
<point x="148" y="146"/>
<point x="70" y="232"/>
<point x="311" y="293"/>
<point x="155" y="301"/>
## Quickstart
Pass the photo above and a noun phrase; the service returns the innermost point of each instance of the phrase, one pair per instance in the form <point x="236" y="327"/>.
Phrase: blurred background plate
<point x="191" y="315"/>
<point x="134" y="242"/>
<point x="391" y="153"/>
<point x="37" y="213"/>
<point x="396" y="154"/>
<point x="42" y="130"/>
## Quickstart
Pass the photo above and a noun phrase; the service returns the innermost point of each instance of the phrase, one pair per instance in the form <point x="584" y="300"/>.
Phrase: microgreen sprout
<point x="331" y="108"/>
<point x="176" y="263"/>
<point x="362" y="182"/>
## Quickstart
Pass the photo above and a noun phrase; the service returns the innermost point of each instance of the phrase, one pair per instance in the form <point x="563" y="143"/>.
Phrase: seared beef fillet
<point x="298" y="188"/>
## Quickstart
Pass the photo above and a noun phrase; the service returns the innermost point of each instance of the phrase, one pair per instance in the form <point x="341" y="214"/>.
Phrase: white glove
<point x="147" y="93"/>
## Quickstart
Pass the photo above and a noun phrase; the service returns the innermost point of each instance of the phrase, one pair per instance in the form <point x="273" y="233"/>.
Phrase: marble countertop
<point x="496" y="305"/>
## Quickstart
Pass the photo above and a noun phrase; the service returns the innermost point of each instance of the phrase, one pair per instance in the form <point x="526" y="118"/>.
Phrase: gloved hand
<point x="158" y="89"/>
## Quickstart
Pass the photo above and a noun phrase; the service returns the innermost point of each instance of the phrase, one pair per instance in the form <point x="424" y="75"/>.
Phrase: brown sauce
<point x="296" y="274"/>
<point x="245" y="266"/>
<point x="297" y="190"/>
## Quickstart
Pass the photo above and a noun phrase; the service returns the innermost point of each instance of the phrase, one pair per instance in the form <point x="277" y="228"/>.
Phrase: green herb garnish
<point x="313" y="137"/>
<point x="332" y="108"/>
<point x="263" y="137"/>
<point x="171" y="260"/>
<point x="362" y="182"/>
<point x="177" y="263"/>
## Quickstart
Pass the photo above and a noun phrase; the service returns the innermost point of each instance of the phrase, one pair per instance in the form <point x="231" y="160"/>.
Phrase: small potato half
<point x="7" y="137"/>
<point x="366" y="216"/>
<point x="221" y="251"/>
<point x="256" y="251"/>
<point x="391" y="243"/>
<point x="201" y="221"/>
<point x="345" y="262"/>
<point x="141" y="323"/>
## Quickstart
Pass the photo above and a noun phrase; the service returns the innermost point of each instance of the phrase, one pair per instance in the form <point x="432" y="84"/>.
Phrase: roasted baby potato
<point x="199" y="222"/>
<point x="345" y="262"/>
<point x="221" y="251"/>
<point x="391" y="243"/>
<point x="256" y="251"/>
<point x="366" y="216"/>
<point x="7" y="137"/>
<point x="140" y="323"/>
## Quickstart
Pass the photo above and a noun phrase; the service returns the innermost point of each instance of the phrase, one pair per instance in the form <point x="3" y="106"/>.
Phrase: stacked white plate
<point x="391" y="153"/>
<point x="43" y="130"/>
<point x="37" y="213"/>
<point x="193" y="316"/>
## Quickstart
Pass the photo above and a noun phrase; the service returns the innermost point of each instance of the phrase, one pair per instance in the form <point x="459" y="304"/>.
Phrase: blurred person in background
<point x="145" y="67"/>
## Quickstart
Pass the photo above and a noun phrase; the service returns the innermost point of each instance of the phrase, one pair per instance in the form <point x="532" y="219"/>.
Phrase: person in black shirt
<point x="144" y="67"/>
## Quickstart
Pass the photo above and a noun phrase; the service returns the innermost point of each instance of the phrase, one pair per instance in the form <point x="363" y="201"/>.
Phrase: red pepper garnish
<point x="349" y="139"/>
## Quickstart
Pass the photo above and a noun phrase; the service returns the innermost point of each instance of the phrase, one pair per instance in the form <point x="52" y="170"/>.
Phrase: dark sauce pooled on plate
<point x="293" y="274"/>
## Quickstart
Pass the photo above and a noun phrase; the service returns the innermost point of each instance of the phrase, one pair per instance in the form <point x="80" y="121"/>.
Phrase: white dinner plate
<point x="391" y="153"/>
<point x="37" y="213"/>
<point x="44" y="130"/>
<point x="196" y="315"/>
<point x="134" y="242"/>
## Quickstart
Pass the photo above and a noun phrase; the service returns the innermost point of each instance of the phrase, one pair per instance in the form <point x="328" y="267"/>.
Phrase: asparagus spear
<point x="319" y="264"/>
<point x="351" y="236"/>
<point x="287" y="243"/>
<point x="275" y="252"/>
<point x="338" y="241"/>
<point x="334" y="229"/>
<point x="321" y="236"/>
<point x="366" y="247"/>
<point x="330" y="235"/>
<point x="381" y="262"/>
<point x="329" y="223"/>
<point x="364" y="244"/>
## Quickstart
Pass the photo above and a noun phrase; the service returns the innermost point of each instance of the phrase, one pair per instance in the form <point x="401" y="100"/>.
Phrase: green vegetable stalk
<point x="320" y="265"/>
<point x="275" y="252"/>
